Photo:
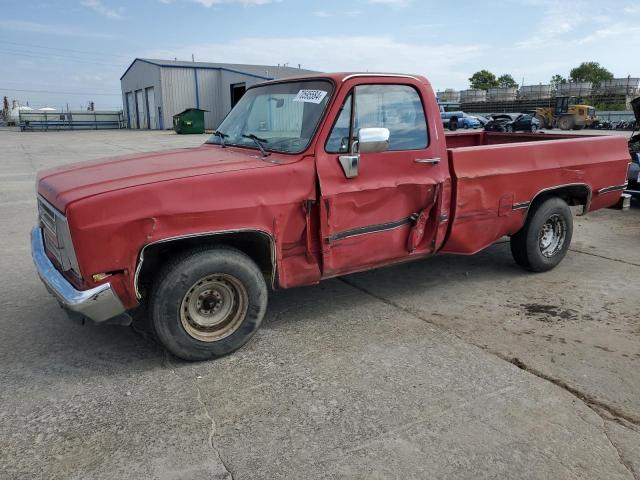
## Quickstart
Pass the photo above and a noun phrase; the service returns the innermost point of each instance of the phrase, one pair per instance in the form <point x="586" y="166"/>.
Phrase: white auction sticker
<point x="310" y="96"/>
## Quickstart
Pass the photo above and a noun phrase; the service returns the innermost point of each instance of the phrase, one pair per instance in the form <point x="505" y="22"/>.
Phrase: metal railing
<point x="96" y="120"/>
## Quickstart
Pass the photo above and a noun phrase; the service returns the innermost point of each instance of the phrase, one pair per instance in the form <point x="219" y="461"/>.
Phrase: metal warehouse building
<point x="155" y="90"/>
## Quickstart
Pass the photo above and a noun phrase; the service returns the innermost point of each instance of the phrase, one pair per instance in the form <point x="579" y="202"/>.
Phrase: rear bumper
<point x="98" y="304"/>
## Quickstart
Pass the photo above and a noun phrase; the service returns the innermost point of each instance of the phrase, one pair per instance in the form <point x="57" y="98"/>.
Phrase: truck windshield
<point x="282" y="116"/>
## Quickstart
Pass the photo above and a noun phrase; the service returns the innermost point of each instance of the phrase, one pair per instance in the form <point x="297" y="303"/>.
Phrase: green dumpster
<point x="189" y="121"/>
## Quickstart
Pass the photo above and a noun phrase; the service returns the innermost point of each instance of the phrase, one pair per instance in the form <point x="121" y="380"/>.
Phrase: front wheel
<point x="534" y="128"/>
<point x="207" y="303"/>
<point x="544" y="239"/>
<point x="508" y="129"/>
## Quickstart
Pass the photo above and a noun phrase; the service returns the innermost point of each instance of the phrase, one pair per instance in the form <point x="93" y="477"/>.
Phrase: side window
<point x="396" y="107"/>
<point x="338" y="141"/>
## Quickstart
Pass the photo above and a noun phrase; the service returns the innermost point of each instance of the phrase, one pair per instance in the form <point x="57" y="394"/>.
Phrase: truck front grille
<point x="57" y="238"/>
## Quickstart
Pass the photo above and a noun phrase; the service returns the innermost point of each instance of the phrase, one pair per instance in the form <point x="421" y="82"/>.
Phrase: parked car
<point x="513" y="123"/>
<point x="525" y="122"/>
<point x="498" y="122"/>
<point x="451" y="120"/>
<point x="483" y="120"/>
<point x="469" y="121"/>
<point x="306" y="179"/>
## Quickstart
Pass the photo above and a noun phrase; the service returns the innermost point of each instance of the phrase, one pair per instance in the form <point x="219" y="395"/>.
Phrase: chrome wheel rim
<point x="214" y="307"/>
<point x="552" y="235"/>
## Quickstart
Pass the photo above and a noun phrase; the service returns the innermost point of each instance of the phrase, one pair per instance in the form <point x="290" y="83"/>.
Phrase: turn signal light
<point x="98" y="277"/>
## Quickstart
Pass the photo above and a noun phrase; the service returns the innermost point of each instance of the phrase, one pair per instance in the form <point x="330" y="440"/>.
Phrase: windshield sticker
<point x="310" y="96"/>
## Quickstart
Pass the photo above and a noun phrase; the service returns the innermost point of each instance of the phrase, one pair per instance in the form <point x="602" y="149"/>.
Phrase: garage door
<point x="131" y="111"/>
<point x="151" y="108"/>
<point x="142" y="111"/>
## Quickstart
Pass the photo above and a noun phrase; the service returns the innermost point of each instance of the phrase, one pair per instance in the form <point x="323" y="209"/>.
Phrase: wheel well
<point x="259" y="246"/>
<point x="578" y="194"/>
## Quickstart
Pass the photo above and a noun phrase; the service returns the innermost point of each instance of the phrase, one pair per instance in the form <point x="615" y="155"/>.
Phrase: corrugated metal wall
<point x="174" y="90"/>
<point x="209" y="94"/>
<point x="178" y="92"/>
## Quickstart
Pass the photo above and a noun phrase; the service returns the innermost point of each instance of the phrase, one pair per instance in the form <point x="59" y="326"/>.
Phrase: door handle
<point x="430" y="161"/>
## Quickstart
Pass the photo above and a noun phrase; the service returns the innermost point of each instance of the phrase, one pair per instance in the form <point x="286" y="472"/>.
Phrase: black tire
<point x="528" y="245"/>
<point x="453" y="124"/>
<point x="229" y="271"/>
<point x="534" y="128"/>
<point x="508" y="128"/>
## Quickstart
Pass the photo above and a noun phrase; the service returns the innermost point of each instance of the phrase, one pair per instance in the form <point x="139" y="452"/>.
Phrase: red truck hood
<point x="66" y="184"/>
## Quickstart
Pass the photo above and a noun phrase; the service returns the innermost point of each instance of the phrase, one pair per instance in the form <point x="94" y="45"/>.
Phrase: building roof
<point x="265" y="72"/>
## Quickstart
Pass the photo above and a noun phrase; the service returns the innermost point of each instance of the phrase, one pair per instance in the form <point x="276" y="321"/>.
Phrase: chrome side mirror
<point x="370" y="140"/>
<point x="373" y="140"/>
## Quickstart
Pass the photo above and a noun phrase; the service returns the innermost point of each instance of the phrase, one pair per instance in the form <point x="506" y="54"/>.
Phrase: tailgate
<point x="495" y="184"/>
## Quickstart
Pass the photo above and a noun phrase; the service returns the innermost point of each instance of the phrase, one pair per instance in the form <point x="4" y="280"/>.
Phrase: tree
<point x="507" y="81"/>
<point x="590" y="72"/>
<point x="483" y="80"/>
<point x="557" y="80"/>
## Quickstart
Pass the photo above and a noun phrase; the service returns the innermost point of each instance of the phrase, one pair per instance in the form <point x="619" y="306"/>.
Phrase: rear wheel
<point x="207" y="303"/>
<point x="453" y="124"/>
<point x="544" y="239"/>
<point x="508" y="128"/>
<point x="534" y="128"/>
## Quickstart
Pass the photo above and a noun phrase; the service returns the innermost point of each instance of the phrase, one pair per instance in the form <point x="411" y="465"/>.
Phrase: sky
<point x="59" y="52"/>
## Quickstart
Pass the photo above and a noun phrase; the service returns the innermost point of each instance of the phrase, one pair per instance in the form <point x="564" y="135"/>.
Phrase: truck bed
<point x="497" y="176"/>
<point x="479" y="138"/>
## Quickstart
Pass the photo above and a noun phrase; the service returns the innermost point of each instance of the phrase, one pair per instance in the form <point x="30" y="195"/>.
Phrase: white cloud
<point x="395" y="3"/>
<point x="577" y="22"/>
<point x="348" y="13"/>
<point x="443" y="63"/>
<point x="246" y="3"/>
<point x="61" y="30"/>
<point x="98" y="7"/>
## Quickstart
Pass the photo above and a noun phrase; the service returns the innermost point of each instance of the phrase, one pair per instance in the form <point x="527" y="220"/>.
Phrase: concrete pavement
<point x="452" y="367"/>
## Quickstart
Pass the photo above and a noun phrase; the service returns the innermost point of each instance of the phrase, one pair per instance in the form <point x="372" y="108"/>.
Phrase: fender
<point x="272" y="248"/>
<point x="527" y="205"/>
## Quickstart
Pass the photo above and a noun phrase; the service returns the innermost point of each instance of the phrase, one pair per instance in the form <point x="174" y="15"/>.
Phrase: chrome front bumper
<point x="98" y="304"/>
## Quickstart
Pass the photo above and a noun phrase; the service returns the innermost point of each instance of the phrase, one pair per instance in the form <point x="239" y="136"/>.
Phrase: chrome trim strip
<point x="99" y="303"/>
<point x="272" y="243"/>
<point x="612" y="188"/>
<point x="392" y="75"/>
<point x="381" y="227"/>
<point x="520" y="205"/>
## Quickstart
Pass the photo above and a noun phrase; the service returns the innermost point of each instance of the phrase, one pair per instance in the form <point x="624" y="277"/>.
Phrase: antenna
<point x="193" y="59"/>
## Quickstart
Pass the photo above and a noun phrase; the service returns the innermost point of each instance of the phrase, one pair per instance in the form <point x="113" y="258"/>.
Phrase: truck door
<point x="382" y="206"/>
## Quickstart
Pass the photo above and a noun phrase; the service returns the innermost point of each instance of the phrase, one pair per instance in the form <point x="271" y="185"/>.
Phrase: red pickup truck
<point x="306" y="179"/>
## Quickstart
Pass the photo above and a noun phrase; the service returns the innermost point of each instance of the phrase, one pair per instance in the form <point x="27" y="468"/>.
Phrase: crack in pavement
<point x="597" y="406"/>
<point x="605" y="258"/>
<point x="212" y="429"/>
<point x="166" y="364"/>
<point x="625" y="464"/>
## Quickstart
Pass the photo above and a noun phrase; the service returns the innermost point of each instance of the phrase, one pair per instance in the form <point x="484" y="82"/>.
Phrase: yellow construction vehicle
<point x="568" y="114"/>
